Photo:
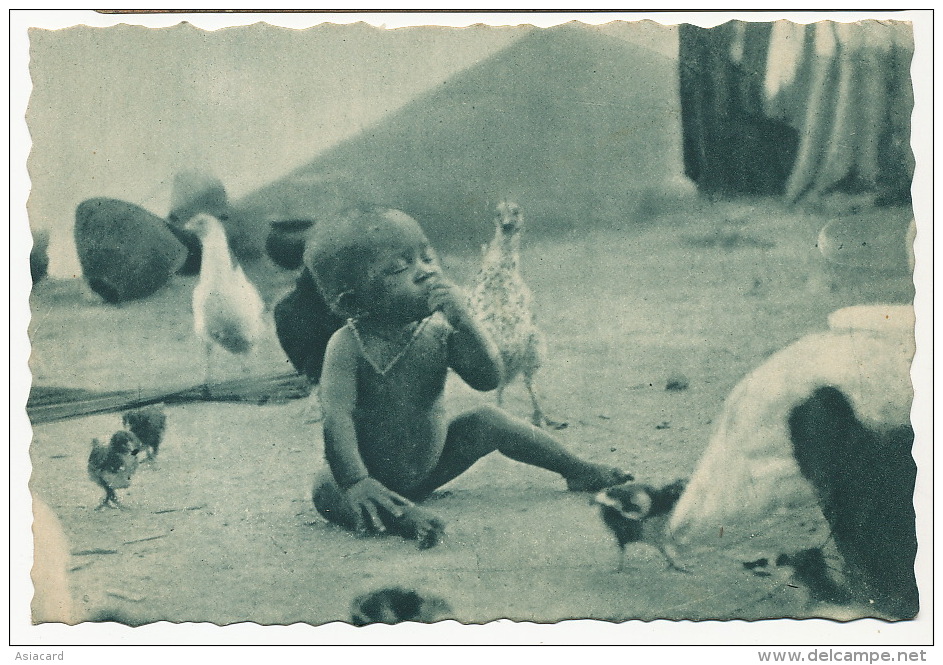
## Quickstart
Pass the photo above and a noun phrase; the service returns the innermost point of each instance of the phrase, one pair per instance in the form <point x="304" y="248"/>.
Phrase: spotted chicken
<point x="501" y="301"/>
<point x="394" y="605"/>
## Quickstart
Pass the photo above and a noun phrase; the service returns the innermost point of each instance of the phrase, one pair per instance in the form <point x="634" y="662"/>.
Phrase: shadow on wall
<point x="865" y="480"/>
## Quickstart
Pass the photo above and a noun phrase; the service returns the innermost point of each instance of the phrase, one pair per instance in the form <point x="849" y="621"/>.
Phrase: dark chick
<point x="148" y="424"/>
<point x="638" y="513"/>
<point x="111" y="465"/>
<point x="395" y="605"/>
<point x="812" y="571"/>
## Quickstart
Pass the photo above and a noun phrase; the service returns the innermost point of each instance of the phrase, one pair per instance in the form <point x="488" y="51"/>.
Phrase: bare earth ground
<point x="222" y="528"/>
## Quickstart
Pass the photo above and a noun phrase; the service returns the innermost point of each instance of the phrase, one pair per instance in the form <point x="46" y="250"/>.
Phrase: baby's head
<point x="351" y="256"/>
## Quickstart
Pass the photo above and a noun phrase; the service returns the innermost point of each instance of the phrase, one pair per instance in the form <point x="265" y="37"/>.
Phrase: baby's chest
<point x="414" y="376"/>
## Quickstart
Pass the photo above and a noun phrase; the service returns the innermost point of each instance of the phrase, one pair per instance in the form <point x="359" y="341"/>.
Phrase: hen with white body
<point x="501" y="301"/>
<point x="815" y="445"/>
<point x="227" y="308"/>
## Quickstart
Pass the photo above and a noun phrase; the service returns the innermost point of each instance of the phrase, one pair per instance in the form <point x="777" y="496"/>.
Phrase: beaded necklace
<point x="382" y="371"/>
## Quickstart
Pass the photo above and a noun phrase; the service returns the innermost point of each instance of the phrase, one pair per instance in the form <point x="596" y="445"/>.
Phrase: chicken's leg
<point x="207" y="379"/>
<point x="110" y="500"/>
<point x="539" y="418"/>
<point x="670" y="559"/>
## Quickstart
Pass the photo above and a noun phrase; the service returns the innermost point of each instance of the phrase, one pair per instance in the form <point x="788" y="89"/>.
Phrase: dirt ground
<point x="222" y="528"/>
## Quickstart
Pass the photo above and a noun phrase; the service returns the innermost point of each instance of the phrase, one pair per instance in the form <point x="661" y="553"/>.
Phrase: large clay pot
<point x="304" y="324"/>
<point x="285" y="243"/>
<point x="125" y="251"/>
<point x="195" y="192"/>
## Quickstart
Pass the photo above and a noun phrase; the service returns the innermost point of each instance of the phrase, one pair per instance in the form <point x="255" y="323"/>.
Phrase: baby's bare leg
<point x="477" y="433"/>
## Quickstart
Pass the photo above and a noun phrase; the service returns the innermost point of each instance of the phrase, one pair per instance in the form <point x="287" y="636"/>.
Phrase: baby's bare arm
<point x="472" y="353"/>
<point x="338" y="398"/>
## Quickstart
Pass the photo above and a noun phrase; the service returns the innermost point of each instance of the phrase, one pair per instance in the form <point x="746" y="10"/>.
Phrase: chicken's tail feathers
<point x="96" y="457"/>
<point x="254" y="300"/>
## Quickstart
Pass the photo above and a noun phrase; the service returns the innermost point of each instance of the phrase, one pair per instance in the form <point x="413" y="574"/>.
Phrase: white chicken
<point x="815" y="446"/>
<point x="227" y="308"/>
<point x="749" y="472"/>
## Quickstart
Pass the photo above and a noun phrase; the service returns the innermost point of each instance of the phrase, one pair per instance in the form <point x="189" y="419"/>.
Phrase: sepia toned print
<point x="624" y="329"/>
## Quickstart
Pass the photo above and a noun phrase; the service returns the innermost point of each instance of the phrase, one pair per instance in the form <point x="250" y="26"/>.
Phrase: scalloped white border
<point x="775" y="632"/>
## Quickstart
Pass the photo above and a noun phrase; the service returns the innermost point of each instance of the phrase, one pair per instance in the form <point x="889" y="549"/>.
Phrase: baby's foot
<point x="595" y="477"/>
<point x="422" y="526"/>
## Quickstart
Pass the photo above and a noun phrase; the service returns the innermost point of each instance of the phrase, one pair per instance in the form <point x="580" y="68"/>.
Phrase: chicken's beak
<point x="196" y="224"/>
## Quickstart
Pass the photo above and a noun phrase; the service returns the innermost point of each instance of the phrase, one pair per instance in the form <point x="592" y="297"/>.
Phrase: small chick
<point x="110" y="466"/>
<point x="810" y="569"/>
<point x="395" y="604"/>
<point x="147" y="424"/>
<point x="638" y="513"/>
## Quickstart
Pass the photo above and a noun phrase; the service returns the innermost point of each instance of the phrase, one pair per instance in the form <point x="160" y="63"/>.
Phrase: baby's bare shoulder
<point x="342" y="338"/>
<point x="342" y="349"/>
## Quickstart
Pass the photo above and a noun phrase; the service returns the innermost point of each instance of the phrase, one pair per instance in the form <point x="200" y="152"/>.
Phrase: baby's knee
<point x="330" y="501"/>
<point x="478" y="430"/>
<point x="488" y="422"/>
<point x="483" y="416"/>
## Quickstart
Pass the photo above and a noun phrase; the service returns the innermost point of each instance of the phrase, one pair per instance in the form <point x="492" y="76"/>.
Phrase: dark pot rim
<point x="292" y="225"/>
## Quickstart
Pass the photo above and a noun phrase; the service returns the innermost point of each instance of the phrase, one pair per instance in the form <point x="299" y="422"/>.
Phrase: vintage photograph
<point x="593" y="317"/>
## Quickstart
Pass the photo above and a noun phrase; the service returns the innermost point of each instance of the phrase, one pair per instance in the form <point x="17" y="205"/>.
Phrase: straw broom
<point x="48" y="404"/>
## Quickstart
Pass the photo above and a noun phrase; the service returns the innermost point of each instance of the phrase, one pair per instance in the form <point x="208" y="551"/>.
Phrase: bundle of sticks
<point x="48" y="403"/>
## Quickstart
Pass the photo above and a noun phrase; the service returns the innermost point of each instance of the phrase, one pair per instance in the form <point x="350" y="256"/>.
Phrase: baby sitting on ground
<point x="387" y="440"/>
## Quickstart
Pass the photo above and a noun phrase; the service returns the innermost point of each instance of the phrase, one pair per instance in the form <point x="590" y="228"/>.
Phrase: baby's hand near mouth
<point x="446" y="297"/>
